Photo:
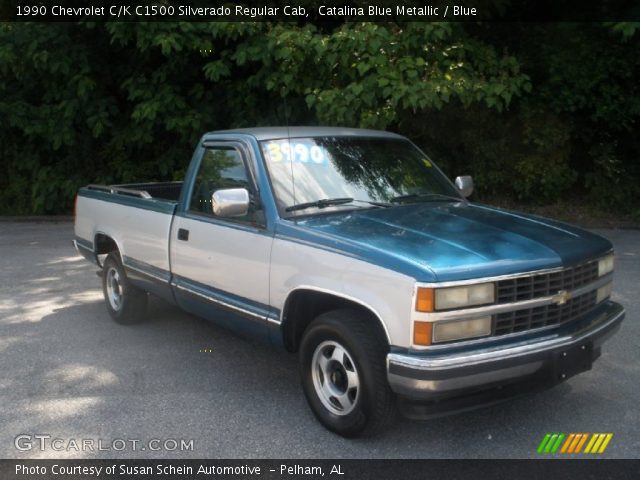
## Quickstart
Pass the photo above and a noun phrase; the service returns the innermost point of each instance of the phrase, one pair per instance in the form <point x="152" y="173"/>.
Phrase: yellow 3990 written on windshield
<point x="295" y="151"/>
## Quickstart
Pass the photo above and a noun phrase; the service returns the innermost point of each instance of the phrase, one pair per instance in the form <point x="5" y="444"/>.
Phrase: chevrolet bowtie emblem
<point x="561" y="297"/>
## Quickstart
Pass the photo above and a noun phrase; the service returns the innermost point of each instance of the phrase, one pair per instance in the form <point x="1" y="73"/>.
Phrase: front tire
<point x="343" y="370"/>
<point x="126" y="304"/>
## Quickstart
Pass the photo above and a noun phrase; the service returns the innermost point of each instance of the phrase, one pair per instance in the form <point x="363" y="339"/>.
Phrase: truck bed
<point x="141" y="213"/>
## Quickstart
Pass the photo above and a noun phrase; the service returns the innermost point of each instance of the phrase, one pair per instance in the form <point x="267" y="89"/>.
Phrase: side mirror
<point x="465" y="185"/>
<point x="230" y="202"/>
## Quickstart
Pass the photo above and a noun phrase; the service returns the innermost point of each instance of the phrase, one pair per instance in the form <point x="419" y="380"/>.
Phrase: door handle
<point x="183" y="234"/>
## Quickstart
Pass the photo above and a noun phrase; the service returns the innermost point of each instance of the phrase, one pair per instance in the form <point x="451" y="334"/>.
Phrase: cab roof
<point x="275" y="133"/>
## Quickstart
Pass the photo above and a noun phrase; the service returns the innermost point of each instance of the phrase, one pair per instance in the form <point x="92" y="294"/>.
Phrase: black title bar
<point x="320" y="11"/>
<point x="317" y="469"/>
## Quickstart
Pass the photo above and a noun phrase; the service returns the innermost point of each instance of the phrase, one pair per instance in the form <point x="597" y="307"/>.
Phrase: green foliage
<point x="626" y="29"/>
<point x="612" y="183"/>
<point x="534" y="112"/>
<point x="542" y="171"/>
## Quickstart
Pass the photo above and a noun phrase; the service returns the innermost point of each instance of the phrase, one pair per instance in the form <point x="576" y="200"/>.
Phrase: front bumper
<point x="545" y="360"/>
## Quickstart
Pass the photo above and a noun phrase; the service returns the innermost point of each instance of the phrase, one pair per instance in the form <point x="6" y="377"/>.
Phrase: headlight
<point x="465" y="296"/>
<point x="428" y="333"/>
<point x="461" y="329"/>
<point x="605" y="265"/>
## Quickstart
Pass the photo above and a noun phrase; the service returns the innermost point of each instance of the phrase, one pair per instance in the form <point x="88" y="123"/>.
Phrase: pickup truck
<point x="353" y="249"/>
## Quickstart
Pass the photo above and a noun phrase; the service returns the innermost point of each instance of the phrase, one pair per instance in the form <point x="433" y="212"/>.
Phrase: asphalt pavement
<point x="69" y="372"/>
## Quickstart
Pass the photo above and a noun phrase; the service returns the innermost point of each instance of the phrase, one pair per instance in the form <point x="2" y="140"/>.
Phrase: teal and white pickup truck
<point x="352" y="248"/>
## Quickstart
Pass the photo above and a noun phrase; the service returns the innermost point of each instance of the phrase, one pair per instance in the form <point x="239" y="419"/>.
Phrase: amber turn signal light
<point x="424" y="300"/>
<point x="422" y="333"/>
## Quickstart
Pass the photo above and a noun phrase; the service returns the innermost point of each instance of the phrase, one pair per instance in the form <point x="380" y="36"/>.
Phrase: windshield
<point x="325" y="172"/>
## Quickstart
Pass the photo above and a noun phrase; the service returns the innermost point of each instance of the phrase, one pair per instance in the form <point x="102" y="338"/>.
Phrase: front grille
<point x="547" y="315"/>
<point x="545" y="284"/>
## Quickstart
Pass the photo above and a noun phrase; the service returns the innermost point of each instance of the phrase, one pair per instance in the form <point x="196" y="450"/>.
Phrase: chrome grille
<point x="547" y="315"/>
<point x="545" y="284"/>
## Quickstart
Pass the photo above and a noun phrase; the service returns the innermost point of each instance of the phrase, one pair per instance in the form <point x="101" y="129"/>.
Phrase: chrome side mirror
<point x="230" y="202"/>
<point x="465" y="185"/>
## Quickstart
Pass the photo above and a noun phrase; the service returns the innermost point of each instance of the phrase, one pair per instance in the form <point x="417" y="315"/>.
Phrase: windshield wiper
<point x="374" y="203"/>
<point x="325" y="202"/>
<point x="414" y="196"/>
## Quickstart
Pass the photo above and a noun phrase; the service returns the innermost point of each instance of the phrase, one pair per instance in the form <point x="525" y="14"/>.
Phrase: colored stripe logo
<point x="573" y="443"/>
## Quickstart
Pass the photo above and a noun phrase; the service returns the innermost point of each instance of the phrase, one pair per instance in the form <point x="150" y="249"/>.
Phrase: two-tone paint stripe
<point x="241" y="305"/>
<point x="226" y="300"/>
<point x="85" y="244"/>
<point x="573" y="443"/>
<point x="147" y="269"/>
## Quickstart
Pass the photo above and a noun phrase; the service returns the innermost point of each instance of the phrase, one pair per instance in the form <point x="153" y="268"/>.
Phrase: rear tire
<point x="344" y="377"/>
<point x="126" y="304"/>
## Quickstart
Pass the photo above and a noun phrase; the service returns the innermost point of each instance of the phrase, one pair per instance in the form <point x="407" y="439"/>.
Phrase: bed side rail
<point x="121" y="190"/>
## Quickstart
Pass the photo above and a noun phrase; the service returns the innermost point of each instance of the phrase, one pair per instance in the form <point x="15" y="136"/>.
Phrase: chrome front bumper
<point x="554" y="357"/>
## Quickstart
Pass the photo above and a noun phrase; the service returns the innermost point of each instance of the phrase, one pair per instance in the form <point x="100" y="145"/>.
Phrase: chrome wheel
<point x="335" y="377"/>
<point x="114" y="289"/>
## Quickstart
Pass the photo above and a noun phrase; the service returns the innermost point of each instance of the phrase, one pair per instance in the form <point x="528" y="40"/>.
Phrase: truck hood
<point x="447" y="242"/>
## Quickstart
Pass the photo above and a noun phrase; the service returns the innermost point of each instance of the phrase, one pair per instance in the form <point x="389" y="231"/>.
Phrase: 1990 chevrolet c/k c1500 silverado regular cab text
<point x="352" y="248"/>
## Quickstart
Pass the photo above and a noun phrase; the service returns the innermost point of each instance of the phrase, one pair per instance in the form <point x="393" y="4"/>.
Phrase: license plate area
<point x="572" y="361"/>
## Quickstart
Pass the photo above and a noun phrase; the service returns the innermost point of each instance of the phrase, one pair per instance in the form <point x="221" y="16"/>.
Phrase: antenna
<point x="291" y="153"/>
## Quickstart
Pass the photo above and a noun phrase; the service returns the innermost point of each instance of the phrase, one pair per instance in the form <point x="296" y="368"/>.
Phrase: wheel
<point x="125" y="303"/>
<point x="343" y="370"/>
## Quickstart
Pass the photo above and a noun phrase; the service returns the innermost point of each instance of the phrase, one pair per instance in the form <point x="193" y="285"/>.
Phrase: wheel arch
<point x="104" y="243"/>
<point x="304" y="303"/>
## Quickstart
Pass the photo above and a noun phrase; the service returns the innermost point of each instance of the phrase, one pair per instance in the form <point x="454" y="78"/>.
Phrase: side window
<point x="220" y="168"/>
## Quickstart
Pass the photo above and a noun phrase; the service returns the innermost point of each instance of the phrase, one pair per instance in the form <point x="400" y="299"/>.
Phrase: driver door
<point x="220" y="265"/>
